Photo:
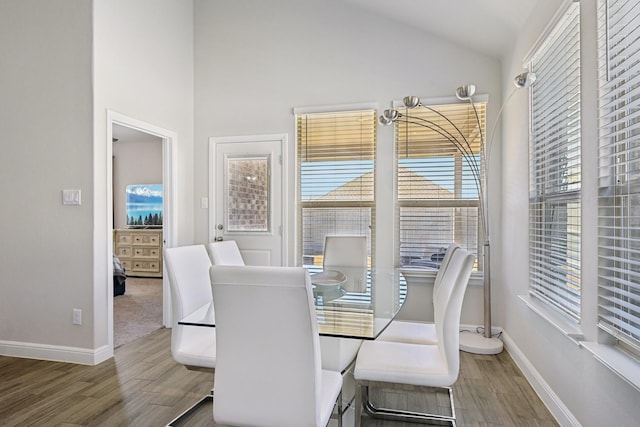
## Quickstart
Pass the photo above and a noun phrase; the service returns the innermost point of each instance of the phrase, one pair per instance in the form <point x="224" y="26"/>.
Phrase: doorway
<point x="137" y="233"/>
<point x="142" y="237"/>
<point x="248" y="195"/>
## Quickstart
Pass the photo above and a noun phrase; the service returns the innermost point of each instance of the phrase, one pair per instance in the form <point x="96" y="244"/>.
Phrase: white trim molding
<point x="542" y="38"/>
<point x="170" y="205"/>
<point x="624" y="365"/>
<point x="556" y="406"/>
<point x="336" y="108"/>
<point x="557" y="320"/>
<point x="55" y="353"/>
<point x="482" y="97"/>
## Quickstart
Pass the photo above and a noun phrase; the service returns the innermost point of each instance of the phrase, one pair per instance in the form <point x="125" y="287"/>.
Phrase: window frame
<point x="555" y="170"/>
<point x="301" y="204"/>
<point x="618" y="176"/>
<point x="436" y="203"/>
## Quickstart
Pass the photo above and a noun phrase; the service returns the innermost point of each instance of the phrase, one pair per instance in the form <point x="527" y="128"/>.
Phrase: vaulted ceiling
<point x="487" y="26"/>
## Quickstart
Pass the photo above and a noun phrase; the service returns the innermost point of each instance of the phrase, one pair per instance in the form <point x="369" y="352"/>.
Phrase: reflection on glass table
<point x="328" y="285"/>
<point x="361" y="315"/>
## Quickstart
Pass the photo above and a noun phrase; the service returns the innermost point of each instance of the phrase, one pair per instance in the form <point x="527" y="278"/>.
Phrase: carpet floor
<point x="137" y="312"/>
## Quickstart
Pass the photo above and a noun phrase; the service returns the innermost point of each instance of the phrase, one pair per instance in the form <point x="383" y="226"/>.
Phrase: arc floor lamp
<point x="471" y="342"/>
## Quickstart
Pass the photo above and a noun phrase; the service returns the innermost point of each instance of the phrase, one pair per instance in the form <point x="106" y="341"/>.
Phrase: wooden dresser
<point x="140" y="251"/>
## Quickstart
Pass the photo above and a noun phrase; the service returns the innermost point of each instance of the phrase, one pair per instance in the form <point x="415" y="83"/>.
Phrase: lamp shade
<point x="385" y="121"/>
<point x="390" y="114"/>
<point x="525" y="79"/>
<point x="411" y="101"/>
<point x="465" y="92"/>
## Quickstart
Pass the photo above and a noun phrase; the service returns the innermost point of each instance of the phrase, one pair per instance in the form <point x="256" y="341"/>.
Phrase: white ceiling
<point x="487" y="26"/>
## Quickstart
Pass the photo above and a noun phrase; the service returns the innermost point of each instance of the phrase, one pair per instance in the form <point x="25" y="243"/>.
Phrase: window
<point x="555" y="171"/>
<point x="437" y="194"/>
<point x="336" y="170"/>
<point x="619" y="172"/>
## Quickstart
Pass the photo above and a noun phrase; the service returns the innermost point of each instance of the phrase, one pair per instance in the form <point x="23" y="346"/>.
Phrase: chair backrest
<point x="225" y="252"/>
<point x="348" y="254"/>
<point x="188" y="270"/>
<point x="268" y="368"/>
<point x="443" y="267"/>
<point x="448" y="308"/>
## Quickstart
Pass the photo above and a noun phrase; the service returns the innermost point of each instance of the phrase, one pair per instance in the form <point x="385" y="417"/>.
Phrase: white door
<point x="248" y="193"/>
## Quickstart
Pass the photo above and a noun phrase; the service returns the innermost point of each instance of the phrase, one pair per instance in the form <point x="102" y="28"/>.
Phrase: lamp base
<point x="472" y="342"/>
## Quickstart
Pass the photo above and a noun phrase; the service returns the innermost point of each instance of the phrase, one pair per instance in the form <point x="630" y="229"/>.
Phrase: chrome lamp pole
<point x="470" y="342"/>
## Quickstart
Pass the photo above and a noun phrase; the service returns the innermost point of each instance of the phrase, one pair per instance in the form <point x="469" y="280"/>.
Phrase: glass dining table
<point x="344" y="309"/>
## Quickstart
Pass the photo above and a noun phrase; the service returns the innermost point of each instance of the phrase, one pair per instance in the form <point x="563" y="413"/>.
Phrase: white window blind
<point x="437" y="191"/>
<point x="619" y="171"/>
<point x="555" y="170"/>
<point x="336" y="165"/>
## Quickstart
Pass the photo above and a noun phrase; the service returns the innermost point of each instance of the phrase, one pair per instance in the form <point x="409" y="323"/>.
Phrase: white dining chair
<point x="413" y="367"/>
<point x="268" y="368"/>
<point x="225" y="252"/>
<point x="347" y="254"/>
<point x="188" y="270"/>
<point x="417" y="332"/>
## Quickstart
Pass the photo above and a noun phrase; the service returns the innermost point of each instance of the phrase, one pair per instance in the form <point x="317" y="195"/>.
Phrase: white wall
<point x="143" y="64"/>
<point x="580" y="389"/>
<point x="139" y="57"/>
<point x="257" y="60"/>
<point x="55" y="137"/>
<point x="62" y="68"/>
<point x="46" y="120"/>
<point x="134" y="162"/>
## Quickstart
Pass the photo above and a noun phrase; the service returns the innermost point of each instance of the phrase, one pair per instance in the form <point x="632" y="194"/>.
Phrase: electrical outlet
<point x="77" y="316"/>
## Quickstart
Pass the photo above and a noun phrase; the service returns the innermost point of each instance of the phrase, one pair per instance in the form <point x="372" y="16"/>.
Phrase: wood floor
<point x="142" y="386"/>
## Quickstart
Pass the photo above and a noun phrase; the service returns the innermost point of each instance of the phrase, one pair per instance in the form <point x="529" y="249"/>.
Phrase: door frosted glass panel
<point x="248" y="194"/>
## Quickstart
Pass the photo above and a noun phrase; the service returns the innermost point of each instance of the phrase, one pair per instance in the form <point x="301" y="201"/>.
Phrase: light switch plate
<point x="71" y="197"/>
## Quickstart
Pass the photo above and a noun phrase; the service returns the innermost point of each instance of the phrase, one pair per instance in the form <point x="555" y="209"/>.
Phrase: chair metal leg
<point x="342" y="406"/>
<point x="358" y="403"/>
<point x="178" y="420"/>
<point x="340" y="410"/>
<point x="362" y="394"/>
<point x="347" y="373"/>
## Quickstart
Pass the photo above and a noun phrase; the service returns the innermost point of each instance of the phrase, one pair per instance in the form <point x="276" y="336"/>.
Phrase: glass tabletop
<point x="344" y="307"/>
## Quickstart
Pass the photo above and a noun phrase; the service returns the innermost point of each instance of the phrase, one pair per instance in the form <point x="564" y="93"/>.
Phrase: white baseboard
<point x="55" y="353"/>
<point x="560" y="412"/>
